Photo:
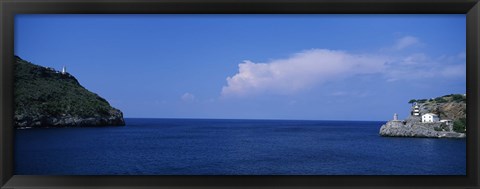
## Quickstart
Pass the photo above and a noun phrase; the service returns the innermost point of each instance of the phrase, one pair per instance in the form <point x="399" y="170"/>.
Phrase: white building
<point x="430" y="118"/>
<point x="64" y="70"/>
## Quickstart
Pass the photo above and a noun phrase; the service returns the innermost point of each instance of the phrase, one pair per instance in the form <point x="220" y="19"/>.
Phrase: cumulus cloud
<point x="300" y="71"/>
<point x="405" y="42"/>
<point x="187" y="97"/>
<point x="311" y="68"/>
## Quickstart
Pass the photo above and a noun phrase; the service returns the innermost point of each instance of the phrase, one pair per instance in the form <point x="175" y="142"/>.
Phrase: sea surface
<point x="233" y="147"/>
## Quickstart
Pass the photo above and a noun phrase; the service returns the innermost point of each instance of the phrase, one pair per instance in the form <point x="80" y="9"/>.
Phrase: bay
<point x="233" y="147"/>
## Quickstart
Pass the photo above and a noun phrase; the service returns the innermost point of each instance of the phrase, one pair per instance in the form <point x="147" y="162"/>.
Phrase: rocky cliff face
<point x="416" y="129"/>
<point x="47" y="98"/>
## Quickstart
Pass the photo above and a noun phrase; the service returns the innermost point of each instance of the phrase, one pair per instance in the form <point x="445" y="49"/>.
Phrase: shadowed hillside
<point x="45" y="97"/>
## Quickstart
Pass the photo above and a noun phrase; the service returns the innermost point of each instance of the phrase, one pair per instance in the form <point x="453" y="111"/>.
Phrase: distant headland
<point x="45" y="97"/>
<point x="441" y="117"/>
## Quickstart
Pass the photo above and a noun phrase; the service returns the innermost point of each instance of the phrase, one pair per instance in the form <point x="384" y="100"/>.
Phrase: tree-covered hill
<point x="45" y="97"/>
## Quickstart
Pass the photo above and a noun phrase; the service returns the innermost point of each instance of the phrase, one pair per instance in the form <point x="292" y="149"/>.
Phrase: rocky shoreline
<point x="25" y="122"/>
<point x="414" y="128"/>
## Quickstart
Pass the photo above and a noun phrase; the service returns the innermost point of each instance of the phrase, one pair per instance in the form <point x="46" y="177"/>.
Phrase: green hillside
<point x="45" y="97"/>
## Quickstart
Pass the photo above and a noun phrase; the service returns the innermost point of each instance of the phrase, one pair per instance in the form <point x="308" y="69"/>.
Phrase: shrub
<point x="460" y="125"/>
<point x="440" y="100"/>
<point x="422" y="100"/>
<point x="458" y="98"/>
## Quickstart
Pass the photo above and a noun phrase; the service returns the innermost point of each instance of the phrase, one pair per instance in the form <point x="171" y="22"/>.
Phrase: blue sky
<point x="320" y="67"/>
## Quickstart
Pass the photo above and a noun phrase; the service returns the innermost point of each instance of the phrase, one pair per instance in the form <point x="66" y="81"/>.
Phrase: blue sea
<point x="233" y="147"/>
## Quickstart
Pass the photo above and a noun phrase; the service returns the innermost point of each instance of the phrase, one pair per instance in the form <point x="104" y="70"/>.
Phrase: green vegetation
<point x="43" y="91"/>
<point x="421" y="100"/>
<point x="442" y="99"/>
<point x="459" y="125"/>
<point x="459" y="98"/>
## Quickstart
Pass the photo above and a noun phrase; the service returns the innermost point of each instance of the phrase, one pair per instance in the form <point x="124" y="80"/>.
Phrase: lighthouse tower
<point x="416" y="110"/>
<point x="64" y="70"/>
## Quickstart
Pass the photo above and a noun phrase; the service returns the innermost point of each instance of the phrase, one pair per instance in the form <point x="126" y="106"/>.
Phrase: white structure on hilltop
<point x="64" y="70"/>
<point x="395" y="117"/>
<point x="430" y="118"/>
<point x="416" y="110"/>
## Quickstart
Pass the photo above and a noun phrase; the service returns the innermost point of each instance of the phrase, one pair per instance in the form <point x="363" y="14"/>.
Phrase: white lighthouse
<point x="416" y="110"/>
<point x="64" y="70"/>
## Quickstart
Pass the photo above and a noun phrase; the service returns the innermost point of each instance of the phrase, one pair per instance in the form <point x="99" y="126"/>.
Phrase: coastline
<point x="414" y="128"/>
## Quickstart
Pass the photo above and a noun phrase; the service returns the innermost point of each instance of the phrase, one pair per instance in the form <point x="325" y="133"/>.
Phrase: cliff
<point x="45" y="97"/>
<point x="449" y="107"/>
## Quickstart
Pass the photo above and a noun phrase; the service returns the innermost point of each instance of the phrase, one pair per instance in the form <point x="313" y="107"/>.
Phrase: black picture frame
<point x="9" y="8"/>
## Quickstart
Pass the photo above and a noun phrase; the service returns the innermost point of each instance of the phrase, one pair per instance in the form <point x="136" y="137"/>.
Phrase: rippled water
<point x="233" y="147"/>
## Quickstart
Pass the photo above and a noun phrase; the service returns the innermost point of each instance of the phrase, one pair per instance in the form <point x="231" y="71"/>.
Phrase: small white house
<point x="430" y="118"/>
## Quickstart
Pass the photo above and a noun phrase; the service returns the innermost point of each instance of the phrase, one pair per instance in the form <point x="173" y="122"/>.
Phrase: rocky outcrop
<point x="412" y="128"/>
<point x="451" y="108"/>
<point x="115" y="119"/>
<point x="45" y="97"/>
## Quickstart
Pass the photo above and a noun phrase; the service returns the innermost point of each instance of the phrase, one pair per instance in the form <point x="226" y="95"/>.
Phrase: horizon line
<point x="273" y="119"/>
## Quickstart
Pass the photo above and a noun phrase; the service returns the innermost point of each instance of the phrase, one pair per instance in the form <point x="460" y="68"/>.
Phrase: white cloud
<point x="415" y="58"/>
<point x="300" y="71"/>
<point x="405" y="42"/>
<point x="187" y="97"/>
<point x="454" y="71"/>
<point x="311" y="68"/>
<point x="421" y="66"/>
